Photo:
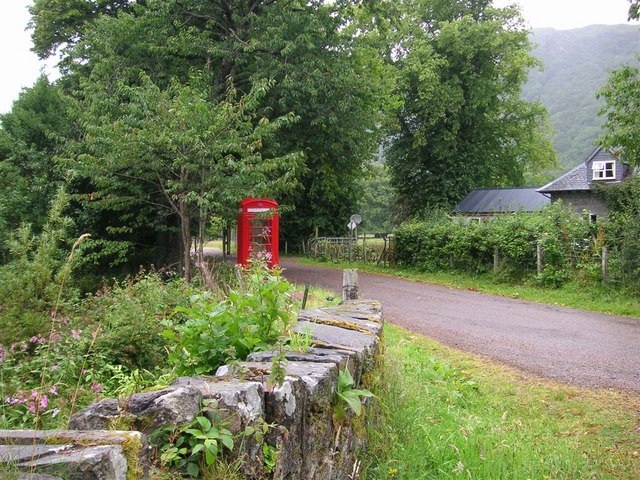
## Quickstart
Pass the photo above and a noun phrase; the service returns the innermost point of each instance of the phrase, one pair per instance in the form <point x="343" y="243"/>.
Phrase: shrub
<point x="129" y="314"/>
<point x="207" y="333"/>
<point x="36" y="279"/>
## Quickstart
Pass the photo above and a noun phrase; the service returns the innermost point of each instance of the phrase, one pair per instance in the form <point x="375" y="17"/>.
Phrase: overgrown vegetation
<point x="443" y="414"/>
<point x="570" y="247"/>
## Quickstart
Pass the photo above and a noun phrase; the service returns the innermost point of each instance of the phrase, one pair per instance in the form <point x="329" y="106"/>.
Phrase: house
<point x="576" y="187"/>
<point x="485" y="203"/>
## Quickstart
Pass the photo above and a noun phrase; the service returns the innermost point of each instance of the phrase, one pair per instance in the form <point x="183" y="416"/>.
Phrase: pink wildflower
<point x="76" y="334"/>
<point x="32" y="407"/>
<point x="53" y="390"/>
<point x="97" y="388"/>
<point x="54" y="367"/>
<point x="53" y="314"/>
<point x="44" y="401"/>
<point x="55" y="337"/>
<point x="34" y="394"/>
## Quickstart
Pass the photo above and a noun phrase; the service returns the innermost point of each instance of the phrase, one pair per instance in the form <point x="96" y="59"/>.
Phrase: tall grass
<point x="443" y="414"/>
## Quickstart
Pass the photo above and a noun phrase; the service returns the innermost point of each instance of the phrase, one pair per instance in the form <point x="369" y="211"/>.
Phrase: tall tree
<point x="621" y="107"/>
<point x="325" y="71"/>
<point x="32" y="134"/>
<point x="195" y="156"/>
<point x="463" y="124"/>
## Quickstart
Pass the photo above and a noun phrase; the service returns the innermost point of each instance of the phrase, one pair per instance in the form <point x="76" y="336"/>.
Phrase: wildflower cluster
<point x="61" y="357"/>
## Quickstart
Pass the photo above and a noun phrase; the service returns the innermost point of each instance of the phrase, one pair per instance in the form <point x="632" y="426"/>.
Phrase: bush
<point x="129" y="315"/>
<point x="568" y="244"/>
<point x="208" y="333"/>
<point x="35" y="282"/>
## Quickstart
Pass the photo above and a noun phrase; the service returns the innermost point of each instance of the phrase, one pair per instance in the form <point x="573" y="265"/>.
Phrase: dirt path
<point x="581" y="348"/>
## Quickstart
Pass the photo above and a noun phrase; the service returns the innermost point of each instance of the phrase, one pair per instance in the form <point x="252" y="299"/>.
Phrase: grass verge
<point x="594" y="298"/>
<point x="445" y="414"/>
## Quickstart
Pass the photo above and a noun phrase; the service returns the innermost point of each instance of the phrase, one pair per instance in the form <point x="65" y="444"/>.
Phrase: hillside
<point x="576" y="64"/>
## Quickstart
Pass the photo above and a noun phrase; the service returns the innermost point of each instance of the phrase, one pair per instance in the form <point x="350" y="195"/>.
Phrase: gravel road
<point x="573" y="346"/>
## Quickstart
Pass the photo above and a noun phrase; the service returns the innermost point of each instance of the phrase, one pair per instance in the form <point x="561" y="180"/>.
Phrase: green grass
<point x="444" y="414"/>
<point x="595" y="298"/>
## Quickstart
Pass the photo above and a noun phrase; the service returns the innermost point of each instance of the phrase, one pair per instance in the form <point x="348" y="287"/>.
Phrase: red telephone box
<point x="258" y="230"/>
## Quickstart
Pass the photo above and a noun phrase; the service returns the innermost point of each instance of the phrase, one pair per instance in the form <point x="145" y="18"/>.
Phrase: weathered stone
<point x="240" y="405"/>
<point x="326" y="336"/>
<point x="13" y="454"/>
<point x="145" y="411"/>
<point x="86" y="463"/>
<point x="337" y="317"/>
<point x="37" y="476"/>
<point x="47" y="442"/>
<point x="302" y="404"/>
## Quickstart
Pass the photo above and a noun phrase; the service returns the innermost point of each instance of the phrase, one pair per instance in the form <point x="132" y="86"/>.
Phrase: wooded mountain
<point x="577" y="64"/>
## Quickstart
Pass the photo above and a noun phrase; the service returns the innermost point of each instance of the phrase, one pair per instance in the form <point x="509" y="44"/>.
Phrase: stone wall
<point x="311" y="443"/>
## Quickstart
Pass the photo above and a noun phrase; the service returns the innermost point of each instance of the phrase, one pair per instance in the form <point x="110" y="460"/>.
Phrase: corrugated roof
<point x="503" y="200"/>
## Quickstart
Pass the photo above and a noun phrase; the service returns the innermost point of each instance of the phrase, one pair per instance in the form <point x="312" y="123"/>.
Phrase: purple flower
<point x="54" y="367"/>
<point x="76" y="334"/>
<point x="44" y="401"/>
<point x="53" y="314"/>
<point x="32" y="407"/>
<point x="97" y="388"/>
<point x="55" y="337"/>
<point x="34" y="394"/>
<point x="53" y="390"/>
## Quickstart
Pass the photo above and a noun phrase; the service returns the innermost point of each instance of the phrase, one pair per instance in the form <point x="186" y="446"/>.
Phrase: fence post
<point x="349" y="284"/>
<point x="364" y="245"/>
<point x="496" y="260"/>
<point x="539" y="257"/>
<point x="605" y="260"/>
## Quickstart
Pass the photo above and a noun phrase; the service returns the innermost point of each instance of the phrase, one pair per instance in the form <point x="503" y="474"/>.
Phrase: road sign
<point x="352" y="225"/>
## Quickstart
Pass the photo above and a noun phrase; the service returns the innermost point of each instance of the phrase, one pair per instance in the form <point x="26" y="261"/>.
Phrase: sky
<point x="20" y="67"/>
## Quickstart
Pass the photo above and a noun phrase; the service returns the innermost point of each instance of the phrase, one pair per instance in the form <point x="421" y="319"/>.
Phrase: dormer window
<point x="604" y="170"/>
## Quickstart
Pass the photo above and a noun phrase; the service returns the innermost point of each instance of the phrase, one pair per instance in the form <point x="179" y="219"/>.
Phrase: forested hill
<point x="576" y="64"/>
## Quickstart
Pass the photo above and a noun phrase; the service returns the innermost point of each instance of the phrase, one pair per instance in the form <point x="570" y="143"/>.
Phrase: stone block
<point x="143" y="411"/>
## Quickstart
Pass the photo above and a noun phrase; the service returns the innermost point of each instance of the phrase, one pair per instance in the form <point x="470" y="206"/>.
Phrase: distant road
<point x="574" y="346"/>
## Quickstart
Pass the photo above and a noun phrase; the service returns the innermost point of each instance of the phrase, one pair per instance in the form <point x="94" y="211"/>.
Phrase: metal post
<point x="605" y="273"/>
<point x="496" y="260"/>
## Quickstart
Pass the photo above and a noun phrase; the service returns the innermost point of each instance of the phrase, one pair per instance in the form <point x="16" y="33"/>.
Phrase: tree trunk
<point x="185" y="226"/>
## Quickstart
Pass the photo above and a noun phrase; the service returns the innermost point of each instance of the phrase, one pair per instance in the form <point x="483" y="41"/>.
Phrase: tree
<point x="463" y="124"/>
<point x="195" y="156"/>
<point x="320" y="55"/>
<point x="621" y="107"/>
<point x="622" y="110"/>
<point x="32" y="134"/>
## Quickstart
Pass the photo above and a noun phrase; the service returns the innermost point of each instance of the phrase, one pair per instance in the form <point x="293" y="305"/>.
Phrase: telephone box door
<point x="258" y="230"/>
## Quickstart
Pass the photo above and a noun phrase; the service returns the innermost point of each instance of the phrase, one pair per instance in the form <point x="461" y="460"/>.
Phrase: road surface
<point x="573" y="346"/>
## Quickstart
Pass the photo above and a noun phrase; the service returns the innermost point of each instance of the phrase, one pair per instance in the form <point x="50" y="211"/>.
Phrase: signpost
<point x="354" y="221"/>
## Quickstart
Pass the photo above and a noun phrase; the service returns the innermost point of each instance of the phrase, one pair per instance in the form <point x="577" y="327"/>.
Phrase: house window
<point x="604" y="170"/>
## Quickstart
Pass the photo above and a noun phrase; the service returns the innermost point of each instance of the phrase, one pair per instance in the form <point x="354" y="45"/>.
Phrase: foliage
<point x="347" y="396"/>
<point x="444" y="414"/>
<point x="377" y="205"/>
<point x="207" y="333"/>
<point x="463" y="124"/>
<point x="43" y="378"/>
<point x="198" y="156"/>
<point x="622" y="110"/>
<point x="195" y="445"/>
<point x="623" y="232"/>
<point x="32" y="284"/>
<point x="31" y="135"/>
<point x="129" y="315"/>
<point x="568" y="242"/>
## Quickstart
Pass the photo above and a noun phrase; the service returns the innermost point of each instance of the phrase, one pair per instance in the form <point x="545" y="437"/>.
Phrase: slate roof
<point x="576" y="179"/>
<point x="579" y="179"/>
<point x="503" y="200"/>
